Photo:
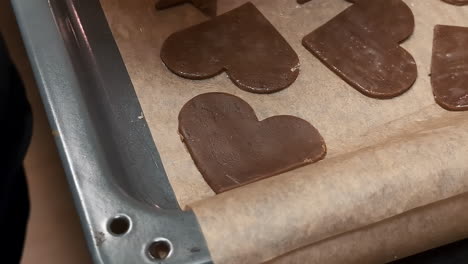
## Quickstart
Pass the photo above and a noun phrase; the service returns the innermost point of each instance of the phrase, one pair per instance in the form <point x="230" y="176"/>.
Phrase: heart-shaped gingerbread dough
<point x="208" y="7"/>
<point x="231" y="147"/>
<point x="361" y="45"/>
<point x="241" y="42"/>
<point x="449" y="67"/>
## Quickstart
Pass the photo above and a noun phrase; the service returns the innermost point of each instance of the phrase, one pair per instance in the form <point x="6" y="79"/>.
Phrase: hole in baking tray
<point x="119" y="225"/>
<point x="160" y="249"/>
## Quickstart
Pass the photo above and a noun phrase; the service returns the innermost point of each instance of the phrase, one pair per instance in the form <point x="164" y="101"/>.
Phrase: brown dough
<point x="241" y="42"/>
<point x="231" y="147"/>
<point x="449" y="71"/>
<point x="361" y="46"/>
<point x="208" y="7"/>
<point x="457" y="2"/>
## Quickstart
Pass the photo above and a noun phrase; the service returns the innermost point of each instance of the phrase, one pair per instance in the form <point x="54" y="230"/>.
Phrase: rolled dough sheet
<point x="384" y="157"/>
<point x="407" y="234"/>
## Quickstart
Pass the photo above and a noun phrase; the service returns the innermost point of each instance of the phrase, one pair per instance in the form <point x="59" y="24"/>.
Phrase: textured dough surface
<point x="354" y="46"/>
<point x="449" y="71"/>
<point x="242" y="43"/>
<point x="231" y="147"/>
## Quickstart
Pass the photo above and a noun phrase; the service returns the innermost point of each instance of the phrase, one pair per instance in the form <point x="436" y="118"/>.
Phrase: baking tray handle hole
<point x="119" y="225"/>
<point x="159" y="249"/>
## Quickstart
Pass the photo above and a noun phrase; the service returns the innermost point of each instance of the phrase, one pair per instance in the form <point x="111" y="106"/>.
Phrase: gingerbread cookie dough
<point x="208" y="7"/>
<point x="361" y="45"/>
<point x="241" y="42"/>
<point x="231" y="147"/>
<point x="449" y="70"/>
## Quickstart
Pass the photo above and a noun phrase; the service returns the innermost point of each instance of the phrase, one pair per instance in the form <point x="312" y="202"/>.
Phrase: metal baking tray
<point x="122" y="194"/>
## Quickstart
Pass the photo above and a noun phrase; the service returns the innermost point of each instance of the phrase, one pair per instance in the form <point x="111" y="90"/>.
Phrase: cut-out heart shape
<point x="208" y="7"/>
<point x="241" y="42"/>
<point x="457" y="2"/>
<point x="361" y="45"/>
<point x="231" y="147"/>
<point x="449" y="70"/>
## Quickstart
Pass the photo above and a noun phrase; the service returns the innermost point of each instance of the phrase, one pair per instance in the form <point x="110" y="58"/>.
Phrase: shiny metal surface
<point x="112" y="164"/>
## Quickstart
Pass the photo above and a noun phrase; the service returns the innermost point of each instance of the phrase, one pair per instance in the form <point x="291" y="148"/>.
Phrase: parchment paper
<point x="420" y="229"/>
<point x="269" y="218"/>
<point x="385" y="157"/>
